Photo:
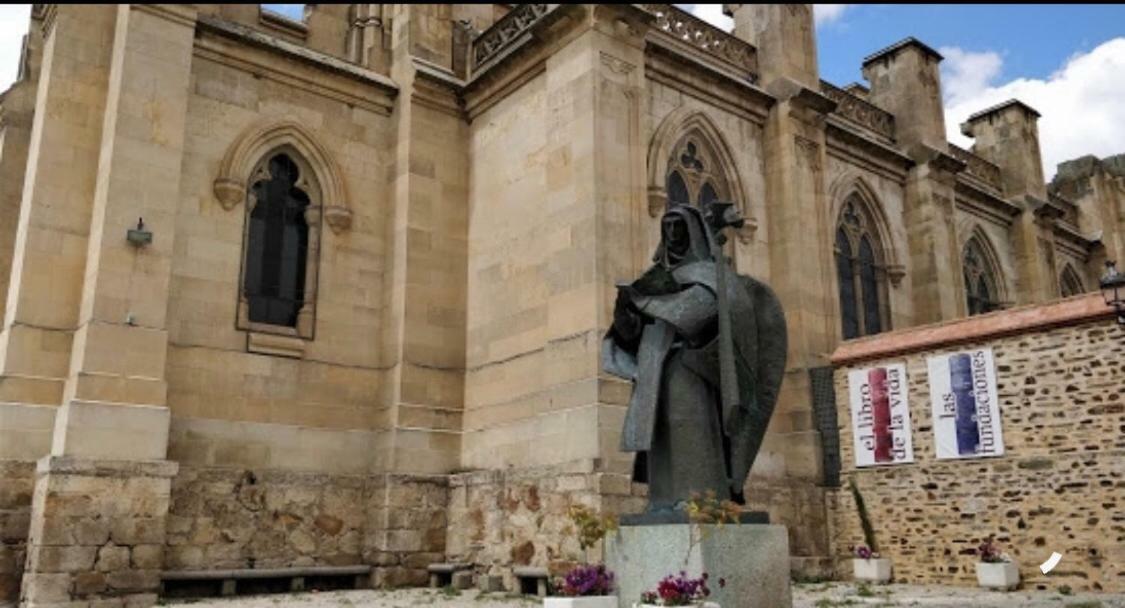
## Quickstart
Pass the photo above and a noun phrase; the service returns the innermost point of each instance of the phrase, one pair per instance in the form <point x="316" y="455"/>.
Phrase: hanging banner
<point x="965" y="408"/>
<point x="880" y="416"/>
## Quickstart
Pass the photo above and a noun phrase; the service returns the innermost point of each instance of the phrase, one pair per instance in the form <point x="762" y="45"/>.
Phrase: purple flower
<point x="863" y="552"/>
<point x="588" y="580"/>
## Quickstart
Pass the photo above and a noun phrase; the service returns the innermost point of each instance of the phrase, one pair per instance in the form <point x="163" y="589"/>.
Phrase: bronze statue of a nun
<point x="705" y="349"/>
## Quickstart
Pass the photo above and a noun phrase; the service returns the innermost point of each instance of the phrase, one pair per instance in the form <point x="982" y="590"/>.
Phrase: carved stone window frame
<point x="327" y="203"/>
<point x="307" y="182"/>
<point x="1070" y="282"/>
<point x="678" y="127"/>
<point x="979" y="263"/>
<point x="694" y="160"/>
<point x="858" y="223"/>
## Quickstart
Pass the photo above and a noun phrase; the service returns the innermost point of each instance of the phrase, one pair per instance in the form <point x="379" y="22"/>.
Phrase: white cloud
<point x="965" y="74"/>
<point x="13" y="25"/>
<point x="827" y="13"/>
<point x="1081" y="103"/>
<point x="711" y="13"/>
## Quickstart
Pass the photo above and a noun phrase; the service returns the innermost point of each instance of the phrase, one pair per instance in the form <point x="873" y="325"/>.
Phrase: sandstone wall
<point x="333" y="379"/>
<point x="1058" y="487"/>
<point x="500" y="519"/>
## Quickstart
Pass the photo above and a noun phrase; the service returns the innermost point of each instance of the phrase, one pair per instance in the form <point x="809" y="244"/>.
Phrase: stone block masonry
<point x="97" y="532"/>
<point x="17" y="482"/>
<point x="1060" y="485"/>
<point x="500" y="520"/>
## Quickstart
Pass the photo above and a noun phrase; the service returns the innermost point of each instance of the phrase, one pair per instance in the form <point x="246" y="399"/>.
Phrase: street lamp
<point x="1112" y="284"/>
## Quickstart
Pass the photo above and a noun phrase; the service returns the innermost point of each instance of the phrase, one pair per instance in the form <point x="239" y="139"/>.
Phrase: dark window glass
<point x="1070" y="284"/>
<point x="677" y="190"/>
<point x="846" y="281"/>
<point x="872" y="323"/>
<point x="707" y="194"/>
<point x="981" y="296"/>
<point x="277" y="246"/>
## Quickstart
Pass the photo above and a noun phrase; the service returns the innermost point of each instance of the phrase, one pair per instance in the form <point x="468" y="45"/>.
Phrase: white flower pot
<point x="875" y="570"/>
<point x="1000" y="575"/>
<point x="592" y="601"/>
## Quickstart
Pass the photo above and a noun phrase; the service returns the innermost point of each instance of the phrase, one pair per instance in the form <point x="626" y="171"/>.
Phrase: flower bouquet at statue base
<point x="585" y="585"/>
<point x="996" y="570"/>
<point x="680" y="590"/>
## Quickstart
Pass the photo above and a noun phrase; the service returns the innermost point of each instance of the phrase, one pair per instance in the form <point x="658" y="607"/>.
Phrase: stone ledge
<point x="68" y="465"/>
<point x="1071" y="311"/>
<point x="247" y="573"/>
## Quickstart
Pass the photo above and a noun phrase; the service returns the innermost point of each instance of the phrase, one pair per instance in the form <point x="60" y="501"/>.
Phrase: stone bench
<point x="531" y="580"/>
<point x="457" y="576"/>
<point x="296" y="575"/>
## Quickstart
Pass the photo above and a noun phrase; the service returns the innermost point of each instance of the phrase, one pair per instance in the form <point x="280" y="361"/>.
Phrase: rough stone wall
<point x="17" y="482"/>
<point x="97" y="532"/>
<point x="1059" y="487"/>
<point x="406" y="524"/>
<point x="502" y="519"/>
<point x="236" y="518"/>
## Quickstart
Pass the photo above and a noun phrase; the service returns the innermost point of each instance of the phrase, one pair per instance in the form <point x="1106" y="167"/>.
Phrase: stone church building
<point x="330" y="293"/>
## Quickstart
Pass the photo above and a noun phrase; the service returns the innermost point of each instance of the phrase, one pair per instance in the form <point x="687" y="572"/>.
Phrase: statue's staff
<point x="721" y="215"/>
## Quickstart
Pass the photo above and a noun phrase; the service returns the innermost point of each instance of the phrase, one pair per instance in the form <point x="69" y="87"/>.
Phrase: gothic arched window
<point x="282" y="227"/>
<point x="861" y="273"/>
<point x="1070" y="283"/>
<point x="982" y="291"/>
<point x="694" y="176"/>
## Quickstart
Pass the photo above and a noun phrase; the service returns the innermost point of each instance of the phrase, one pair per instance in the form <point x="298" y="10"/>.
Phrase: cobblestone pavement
<point x="827" y="595"/>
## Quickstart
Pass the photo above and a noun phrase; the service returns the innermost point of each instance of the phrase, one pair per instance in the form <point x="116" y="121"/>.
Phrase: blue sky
<point x="1033" y="40"/>
<point x="1067" y="61"/>
<point x="293" y="11"/>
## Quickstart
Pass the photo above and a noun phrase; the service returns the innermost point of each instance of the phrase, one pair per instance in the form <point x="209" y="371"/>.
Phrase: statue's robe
<point x="675" y="422"/>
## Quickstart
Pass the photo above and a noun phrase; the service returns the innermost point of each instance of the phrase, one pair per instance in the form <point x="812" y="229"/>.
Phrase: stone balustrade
<point x="977" y="166"/>
<point x="689" y="29"/>
<point x="860" y="112"/>
<point x="506" y="31"/>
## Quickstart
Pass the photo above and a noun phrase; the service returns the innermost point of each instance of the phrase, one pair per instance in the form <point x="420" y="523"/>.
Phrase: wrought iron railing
<point x="977" y="166"/>
<point x="859" y="111"/>
<point x="687" y="28"/>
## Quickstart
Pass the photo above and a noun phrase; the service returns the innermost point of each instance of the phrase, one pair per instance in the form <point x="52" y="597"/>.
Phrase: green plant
<point x="450" y="591"/>
<point x="864" y="518"/>
<point x="1065" y="590"/>
<point x="864" y="590"/>
<point x="590" y="527"/>
<point x="1094" y="604"/>
<point x="707" y="509"/>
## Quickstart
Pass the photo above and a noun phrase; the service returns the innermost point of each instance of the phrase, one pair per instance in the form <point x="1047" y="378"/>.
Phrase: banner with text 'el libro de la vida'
<point x="965" y="407"/>
<point x="880" y="416"/>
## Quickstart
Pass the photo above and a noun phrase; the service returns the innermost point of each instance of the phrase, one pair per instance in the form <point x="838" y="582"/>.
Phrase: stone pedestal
<point x="753" y="559"/>
<point x="97" y="532"/>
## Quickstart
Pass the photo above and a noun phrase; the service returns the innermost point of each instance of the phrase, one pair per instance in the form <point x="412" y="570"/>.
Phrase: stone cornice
<point x="984" y="202"/>
<point x="900" y="45"/>
<point x="667" y="65"/>
<point x="317" y="59"/>
<point x="438" y="88"/>
<point x="1000" y="107"/>
<point x="183" y="14"/>
<point x="230" y="44"/>
<point x="1085" y="308"/>
<point x="840" y="132"/>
